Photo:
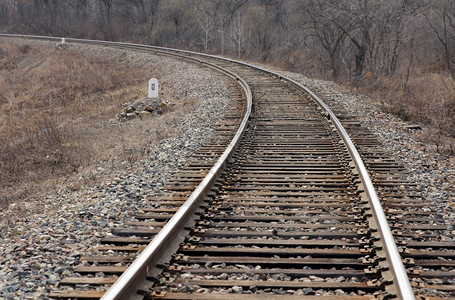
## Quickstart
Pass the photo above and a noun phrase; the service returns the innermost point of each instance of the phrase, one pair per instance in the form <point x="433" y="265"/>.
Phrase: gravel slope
<point x="432" y="171"/>
<point x="41" y="239"/>
<point x="38" y="248"/>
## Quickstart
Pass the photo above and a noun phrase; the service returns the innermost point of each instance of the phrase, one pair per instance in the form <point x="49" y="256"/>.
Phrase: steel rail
<point x="127" y="283"/>
<point x="400" y="277"/>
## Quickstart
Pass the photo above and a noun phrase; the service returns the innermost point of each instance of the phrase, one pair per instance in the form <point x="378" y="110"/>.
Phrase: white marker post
<point x="63" y="40"/>
<point x="153" y="88"/>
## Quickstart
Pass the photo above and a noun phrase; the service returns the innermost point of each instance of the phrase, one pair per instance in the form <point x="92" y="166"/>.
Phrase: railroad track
<point x="290" y="216"/>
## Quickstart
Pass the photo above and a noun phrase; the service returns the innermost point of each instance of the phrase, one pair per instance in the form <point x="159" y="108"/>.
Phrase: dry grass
<point x="50" y="103"/>
<point x="426" y="99"/>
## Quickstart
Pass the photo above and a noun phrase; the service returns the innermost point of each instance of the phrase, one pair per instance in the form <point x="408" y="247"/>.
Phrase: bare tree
<point x="80" y="9"/>
<point x="354" y="20"/>
<point x="206" y="18"/>
<point x="175" y="25"/>
<point x="6" y="12"/>
<point x="317" y="24"/>
<point x="108" y="10"/>
<point x="442" y="24"/>
<point x="238" y="33"/>
<point x="263" y="33"/>
<point x="224" y="13"/>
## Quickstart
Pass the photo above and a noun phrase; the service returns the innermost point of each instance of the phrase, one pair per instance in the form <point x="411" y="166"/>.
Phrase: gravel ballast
<point x="434" y="172"/>
<point x="43" y="239"/>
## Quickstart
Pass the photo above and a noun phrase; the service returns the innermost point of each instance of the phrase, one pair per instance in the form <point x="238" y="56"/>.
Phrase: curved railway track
<point x="290" y="215"/>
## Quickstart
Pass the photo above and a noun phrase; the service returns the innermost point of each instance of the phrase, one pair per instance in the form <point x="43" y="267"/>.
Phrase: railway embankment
<point x="44" y="238"/>
<point x="43" y="235"/>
